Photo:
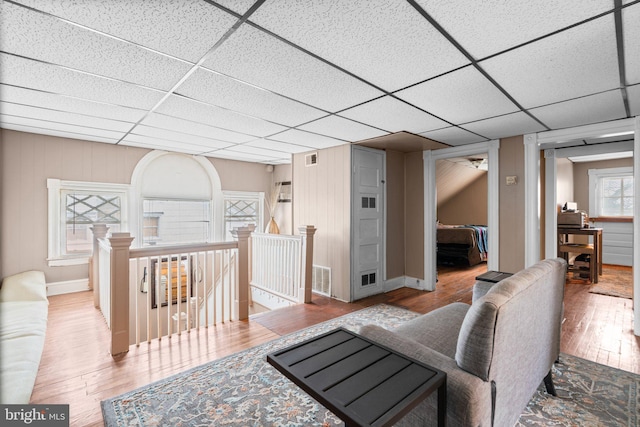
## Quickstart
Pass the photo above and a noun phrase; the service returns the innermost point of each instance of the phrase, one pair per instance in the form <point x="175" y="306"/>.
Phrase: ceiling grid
<point x="261" y="80"/>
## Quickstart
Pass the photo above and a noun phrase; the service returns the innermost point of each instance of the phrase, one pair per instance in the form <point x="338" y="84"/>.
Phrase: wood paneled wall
<point x="322" y="198"/>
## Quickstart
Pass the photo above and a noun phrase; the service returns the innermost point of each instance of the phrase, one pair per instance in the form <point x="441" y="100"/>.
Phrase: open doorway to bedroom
<point x="461" y="209"/>
<point x="485" y="152"/>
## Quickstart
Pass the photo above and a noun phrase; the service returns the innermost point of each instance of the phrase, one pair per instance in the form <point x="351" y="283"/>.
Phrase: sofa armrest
<point x="27" y="286"/>
<point x="468" y="397"/>
<point x="480" y="289"/>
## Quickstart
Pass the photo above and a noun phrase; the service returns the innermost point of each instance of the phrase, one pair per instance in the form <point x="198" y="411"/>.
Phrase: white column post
<point x="99" y="232"/>
<point x="306" y="263"/>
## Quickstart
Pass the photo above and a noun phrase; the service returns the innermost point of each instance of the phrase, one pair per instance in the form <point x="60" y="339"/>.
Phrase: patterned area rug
<point x="614" y="282"/>
<point x="243" y="389"/>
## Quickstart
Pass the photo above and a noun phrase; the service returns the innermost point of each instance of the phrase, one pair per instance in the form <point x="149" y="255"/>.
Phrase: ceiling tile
<point x="307" y="139"/>
<point x="49" y="78"/>
<point x="490" y="26"/>
<point x="631" y="32"/>
<point x="64" y="128"/>
<point x="255" y="57"/>
<point x="206" y="144"/>
<point x="52" y="101"/>
<point x="234" y="95"/>
<point x="284" y="147"/>
<point x="577" y="62"/>
<point x="44" y="114"/>
<point x="393" y="115"/>
<point x="341" y="128"/>
<point x="633" y="93"/>
<point x="453" y="136"/>
<point x="155" y="143"/>
<point x="194" y="128"/>
<point x="45" y="38"/>
<point x="358" y="36"/>
<point x="590" y="109"/>
<point x="505" y="126"/>
<point x="61" y="134"/>
<point x="461" y="96"/>
<point x="189" y="109"/>
<point x="186" y="29"/>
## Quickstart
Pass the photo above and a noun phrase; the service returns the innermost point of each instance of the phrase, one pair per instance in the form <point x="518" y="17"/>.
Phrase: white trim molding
<point x="67" y="287"/>
<point x="547" y="140"/>
<point x="531" y="198"/>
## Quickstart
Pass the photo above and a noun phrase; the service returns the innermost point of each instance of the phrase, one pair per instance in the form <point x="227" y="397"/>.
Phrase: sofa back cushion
<point x="519" y="299"/>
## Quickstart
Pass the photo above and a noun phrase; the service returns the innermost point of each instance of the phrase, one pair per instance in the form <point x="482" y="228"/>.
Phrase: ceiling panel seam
<point x="201" y="61"/>
<point x="617" y="15"/>
<point x="72" y="97"/>
<point x="473" y="61"/>
<point x="101" y="33"/>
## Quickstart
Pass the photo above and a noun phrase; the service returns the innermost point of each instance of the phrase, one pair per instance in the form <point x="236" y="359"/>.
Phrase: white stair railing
<point x="153" y="292"/>
<point x="281" y="268"/>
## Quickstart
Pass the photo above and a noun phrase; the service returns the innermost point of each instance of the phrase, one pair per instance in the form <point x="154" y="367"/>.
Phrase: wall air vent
<point x="311" y="159"/>
<point x="321" y="280"/>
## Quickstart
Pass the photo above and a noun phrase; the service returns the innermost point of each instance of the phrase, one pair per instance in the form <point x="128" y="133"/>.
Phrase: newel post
<point x="242" y="235"/>
<point x="120" y="244"/>
<point x="99" y="232"/>
<point x="306" y="268"/>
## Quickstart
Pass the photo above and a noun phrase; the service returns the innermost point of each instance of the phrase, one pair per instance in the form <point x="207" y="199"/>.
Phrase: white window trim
<point x="594" y="178"/>
<point x="244" y="195"/>
<point x="55" y="256"/>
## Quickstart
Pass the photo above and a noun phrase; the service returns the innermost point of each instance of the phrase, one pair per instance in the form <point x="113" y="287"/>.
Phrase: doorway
<point x="430" y="200"/>
<point x="543" y="141"/>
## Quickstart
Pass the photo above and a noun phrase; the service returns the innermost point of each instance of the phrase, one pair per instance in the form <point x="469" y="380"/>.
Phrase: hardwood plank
<point x="76" y="367"/>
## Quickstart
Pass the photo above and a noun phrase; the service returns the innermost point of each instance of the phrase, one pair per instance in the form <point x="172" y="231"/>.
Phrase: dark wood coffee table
<point x="361" y="382"/>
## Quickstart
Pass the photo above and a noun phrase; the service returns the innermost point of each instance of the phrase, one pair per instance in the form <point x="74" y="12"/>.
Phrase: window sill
<point x="64" y="262"/>
<point x="612" y="219"/>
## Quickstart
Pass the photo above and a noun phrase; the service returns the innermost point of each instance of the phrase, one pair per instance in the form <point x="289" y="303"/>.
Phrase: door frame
<point x="430" y="203"/>
<point x="533" y="144"/>
<point x="353" y="209"/>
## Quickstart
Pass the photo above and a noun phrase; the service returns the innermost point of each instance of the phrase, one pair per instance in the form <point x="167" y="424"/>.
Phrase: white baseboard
<point x="412" y="282"/>
<point x="404" y="281"/>
<point x="67" y="287"/>
<point x="395" y="283"/>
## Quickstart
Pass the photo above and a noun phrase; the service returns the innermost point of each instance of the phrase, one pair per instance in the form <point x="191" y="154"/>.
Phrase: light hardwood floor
<point x="77" y="369"/>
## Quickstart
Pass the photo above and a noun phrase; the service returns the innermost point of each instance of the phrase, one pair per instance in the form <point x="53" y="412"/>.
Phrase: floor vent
<point x="321" y="281"/>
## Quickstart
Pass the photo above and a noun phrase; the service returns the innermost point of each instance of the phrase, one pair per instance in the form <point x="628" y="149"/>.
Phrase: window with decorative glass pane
<point x="82" y="210"/>
<point x="242" y="209"/>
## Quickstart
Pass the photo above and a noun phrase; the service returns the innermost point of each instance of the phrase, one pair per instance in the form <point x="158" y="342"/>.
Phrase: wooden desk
<point x="363" y="383"/>
<point x="596" y="233"/>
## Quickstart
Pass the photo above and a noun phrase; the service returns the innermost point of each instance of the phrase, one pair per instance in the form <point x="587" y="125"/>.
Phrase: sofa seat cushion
<point x="22" y="333"/>
<point x="437" y="329"/>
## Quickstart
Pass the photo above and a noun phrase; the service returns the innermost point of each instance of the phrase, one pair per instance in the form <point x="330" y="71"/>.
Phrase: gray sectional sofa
<point x="496" y="352"/>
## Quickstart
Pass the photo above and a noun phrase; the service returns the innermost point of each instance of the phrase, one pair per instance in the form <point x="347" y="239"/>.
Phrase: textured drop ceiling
<point x="259" y="81"/>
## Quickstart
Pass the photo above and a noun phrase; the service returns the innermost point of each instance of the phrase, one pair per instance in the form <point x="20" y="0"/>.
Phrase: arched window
<point x="176" y="198"/>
